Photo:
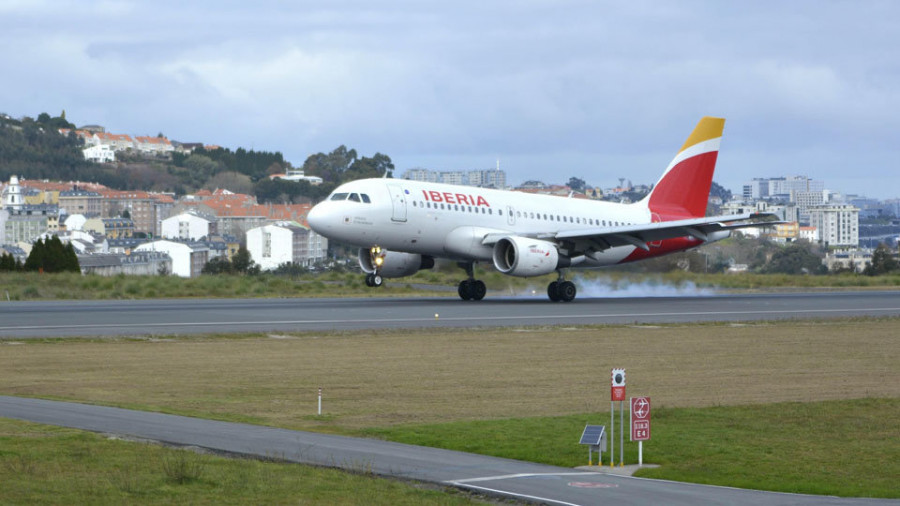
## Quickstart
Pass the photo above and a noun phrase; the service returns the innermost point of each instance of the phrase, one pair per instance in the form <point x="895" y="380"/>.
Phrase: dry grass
<point x="386" y="378"/>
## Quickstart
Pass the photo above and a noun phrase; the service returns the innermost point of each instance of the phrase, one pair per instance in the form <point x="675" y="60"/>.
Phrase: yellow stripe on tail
<point x="708" y="128"/>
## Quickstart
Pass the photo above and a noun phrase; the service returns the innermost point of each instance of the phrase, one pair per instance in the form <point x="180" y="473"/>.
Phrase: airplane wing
<point x="602" y="238"/>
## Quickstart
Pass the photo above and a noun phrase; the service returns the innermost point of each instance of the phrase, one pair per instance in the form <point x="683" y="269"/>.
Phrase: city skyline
<point x="595" y="90"/>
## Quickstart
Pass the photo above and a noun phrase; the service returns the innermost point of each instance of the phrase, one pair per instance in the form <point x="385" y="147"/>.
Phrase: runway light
<point x="436" y="316"/>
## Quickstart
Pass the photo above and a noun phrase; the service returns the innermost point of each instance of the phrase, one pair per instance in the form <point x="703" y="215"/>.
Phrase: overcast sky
<point x="593" y="89"/>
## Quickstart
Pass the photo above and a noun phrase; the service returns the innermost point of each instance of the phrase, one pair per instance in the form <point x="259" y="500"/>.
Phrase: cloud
<point x="575" y="87"/>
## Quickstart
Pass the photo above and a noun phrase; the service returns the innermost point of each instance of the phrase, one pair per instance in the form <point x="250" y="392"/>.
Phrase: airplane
<point x="402" y="226"/>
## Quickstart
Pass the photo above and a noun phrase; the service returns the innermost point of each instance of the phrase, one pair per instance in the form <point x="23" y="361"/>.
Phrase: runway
<point x="492" y="475"/>
<point x="193" y="316"/>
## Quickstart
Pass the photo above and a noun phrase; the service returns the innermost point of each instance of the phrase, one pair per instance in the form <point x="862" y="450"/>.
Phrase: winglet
<point x="683" y="190"/>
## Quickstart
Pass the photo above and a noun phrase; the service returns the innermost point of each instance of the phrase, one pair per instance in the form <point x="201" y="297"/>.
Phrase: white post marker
<point x="320" y="400"/>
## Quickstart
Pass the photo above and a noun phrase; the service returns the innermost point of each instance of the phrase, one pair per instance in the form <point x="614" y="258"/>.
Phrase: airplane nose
<point x="316" y="218"/>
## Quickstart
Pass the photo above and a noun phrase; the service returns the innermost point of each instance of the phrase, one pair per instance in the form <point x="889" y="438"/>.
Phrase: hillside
<point x="35" y="149"/>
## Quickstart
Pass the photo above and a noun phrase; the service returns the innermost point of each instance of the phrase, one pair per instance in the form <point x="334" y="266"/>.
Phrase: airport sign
<point x="617" y="378"/>
<point x="640" y="418"/>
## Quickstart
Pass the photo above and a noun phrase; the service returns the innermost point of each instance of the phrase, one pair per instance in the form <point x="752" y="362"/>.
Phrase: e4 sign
<point x="640" y="418"/>
<point x="618" y="385"/>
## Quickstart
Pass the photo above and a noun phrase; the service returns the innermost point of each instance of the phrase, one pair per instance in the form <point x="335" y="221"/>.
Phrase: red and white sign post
<point x="640" y="424"/>
<point x="617" y="393"/>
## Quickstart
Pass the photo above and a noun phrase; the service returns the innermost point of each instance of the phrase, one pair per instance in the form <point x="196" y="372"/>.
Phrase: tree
<point x="218" y="265"/>
<point x="50" y="255"/>
<point x="576" y="184"/>
<point x="242" y="263"/>
<point x="230" y="180"/>
<point x="796" y="258"/>
<point x="883" y="261"/>
<point x="8" y="263"/>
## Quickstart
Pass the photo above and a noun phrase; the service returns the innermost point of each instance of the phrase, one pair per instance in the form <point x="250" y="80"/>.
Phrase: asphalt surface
<point x="522" y="480"/>
<point x="191" y="316"/>
<point x="491" y="475"/>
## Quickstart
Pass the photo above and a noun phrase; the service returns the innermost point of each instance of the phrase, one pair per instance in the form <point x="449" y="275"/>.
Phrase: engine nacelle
<point x="524" y="257"/>
<point x="394" y="264"/>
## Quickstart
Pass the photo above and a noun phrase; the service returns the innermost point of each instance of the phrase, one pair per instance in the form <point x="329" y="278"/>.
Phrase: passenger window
<point x="366" y="198"/>
<point x="339" y="196"/>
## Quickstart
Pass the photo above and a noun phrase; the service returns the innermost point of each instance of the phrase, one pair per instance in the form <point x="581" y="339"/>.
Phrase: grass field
<point x="33" y="286"/>
<point x="41" y="464"/>
<point x="392" y="383"/>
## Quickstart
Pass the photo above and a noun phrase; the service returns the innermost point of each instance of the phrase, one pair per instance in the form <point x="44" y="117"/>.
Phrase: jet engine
<point x="392" y="264"/>
<point x="525" y="257"/>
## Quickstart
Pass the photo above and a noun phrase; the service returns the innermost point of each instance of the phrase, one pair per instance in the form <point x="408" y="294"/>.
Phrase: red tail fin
<point x="683" y="190"/>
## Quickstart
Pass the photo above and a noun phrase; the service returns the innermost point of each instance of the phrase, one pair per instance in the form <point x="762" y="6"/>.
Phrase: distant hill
<point x="34" y="149"/>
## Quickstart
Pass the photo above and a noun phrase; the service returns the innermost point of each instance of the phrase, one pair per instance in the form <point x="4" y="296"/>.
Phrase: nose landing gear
<point x="373" y="280"/>
<point x="561" y="290"/>
<point x="471" y="289"/>
<point x="376" y="256"/>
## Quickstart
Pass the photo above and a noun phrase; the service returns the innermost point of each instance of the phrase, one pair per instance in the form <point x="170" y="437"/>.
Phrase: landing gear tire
<point x="567" y="291"/>
<point x="478" y="289"/>
<point x="564" y="291"/>
<point x="470" y="289"/>
<point x="464" y="290"/>
<point x="374" y="280"/>
<point x="553" y="291"/>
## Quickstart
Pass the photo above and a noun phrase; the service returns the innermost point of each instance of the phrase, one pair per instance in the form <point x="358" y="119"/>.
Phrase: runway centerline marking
<point x="443" y="319"/>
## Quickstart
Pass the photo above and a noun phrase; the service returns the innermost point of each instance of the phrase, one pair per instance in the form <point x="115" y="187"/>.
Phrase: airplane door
<point x="398" y="201"/>
<point x="510" y="216"/>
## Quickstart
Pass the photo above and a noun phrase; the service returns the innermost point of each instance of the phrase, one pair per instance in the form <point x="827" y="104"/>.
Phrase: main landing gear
<point x="471" y="288"/>
<point x="561" y="290"/>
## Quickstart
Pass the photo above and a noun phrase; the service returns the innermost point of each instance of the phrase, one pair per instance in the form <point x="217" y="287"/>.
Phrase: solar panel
<point x="592" y="434"/>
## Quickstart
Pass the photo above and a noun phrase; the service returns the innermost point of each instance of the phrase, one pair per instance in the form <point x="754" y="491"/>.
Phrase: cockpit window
<point x="365" y="198"/>
<point x="354" y="197"/>
<point x="339" y="196"/>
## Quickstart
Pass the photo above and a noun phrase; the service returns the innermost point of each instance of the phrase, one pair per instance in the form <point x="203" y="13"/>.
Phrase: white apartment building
<point x="188" y="259"/>
<point x="99" y="154"/>
<point x="837" y="224"/>
<point x="285" y="242"/>
<point x="187" y="226"/>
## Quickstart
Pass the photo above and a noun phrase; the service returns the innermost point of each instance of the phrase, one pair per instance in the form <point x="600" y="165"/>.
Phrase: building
<point x="785" y="232"/>
<point x="80" y="202"/>
<point x="153" y="145"/>
<point x="837" y="224"/>
<point x="116" y="142"/>
<point x="12" y="195"/>
<point x="118" y="228"/>
<point x="141" y="207"/>
<point x="99" y="154"/>
<point x="848" y="259"/>
<point x="779" y="188"/>
<point x="295" y="175"/>
<point x="809" y="234"/>
<point x="188" y="226"/>
<point x="492" y="178"/>
<point x="285" y="242"/>
<point x="188" y="259"/>
<point x="145" y="263"/>
<point x="22" y="227"/>
<point x="422" y="175"/>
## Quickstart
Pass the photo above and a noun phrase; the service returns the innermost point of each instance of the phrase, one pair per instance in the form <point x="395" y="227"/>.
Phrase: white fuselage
<point x="448" y="221"/>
